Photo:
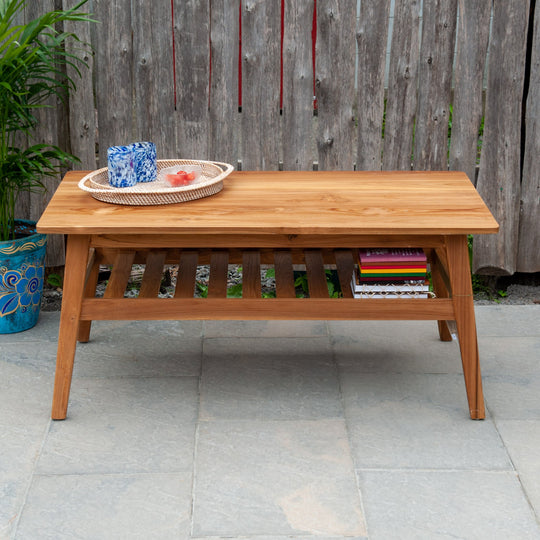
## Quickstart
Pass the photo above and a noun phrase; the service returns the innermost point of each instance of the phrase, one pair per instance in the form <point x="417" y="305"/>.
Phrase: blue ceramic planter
<point x="21" y="281"/>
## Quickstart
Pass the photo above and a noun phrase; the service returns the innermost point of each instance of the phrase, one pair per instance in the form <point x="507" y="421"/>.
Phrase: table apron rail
<point x="266" y="309"/>
<point x="286" y="241"/>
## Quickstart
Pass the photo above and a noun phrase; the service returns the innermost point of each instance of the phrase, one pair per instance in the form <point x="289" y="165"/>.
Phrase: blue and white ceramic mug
<point x="120" y="163"/>
<point x="145" y="161"/>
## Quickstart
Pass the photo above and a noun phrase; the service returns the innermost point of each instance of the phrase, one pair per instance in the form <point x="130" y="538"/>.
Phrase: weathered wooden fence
<point x="168" y="71"/>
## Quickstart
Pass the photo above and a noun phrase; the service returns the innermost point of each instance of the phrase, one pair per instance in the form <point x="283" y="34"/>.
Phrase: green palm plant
<point x="33" y="58"/>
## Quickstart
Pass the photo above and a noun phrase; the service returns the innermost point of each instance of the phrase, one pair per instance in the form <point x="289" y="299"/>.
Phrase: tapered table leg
<point x="438" y="275"/>
<point x="74" y="281"/>
<point x="92" y="275"/>
<point x="462" y="298"/>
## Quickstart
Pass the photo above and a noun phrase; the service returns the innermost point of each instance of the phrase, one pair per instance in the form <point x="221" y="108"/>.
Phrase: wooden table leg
<point x="462" y="298"/>
<point x="74" y="281"/>
<point x="440" y="287"/>
<point x="92" y="275"/>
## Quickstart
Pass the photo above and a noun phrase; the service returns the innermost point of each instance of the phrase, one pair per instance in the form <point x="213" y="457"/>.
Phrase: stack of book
<point x="391" y="273"/>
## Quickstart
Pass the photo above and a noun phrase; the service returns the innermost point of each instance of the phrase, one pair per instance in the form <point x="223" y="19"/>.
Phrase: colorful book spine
<point x="391" y="255"/>
<point x="392" y="265"/>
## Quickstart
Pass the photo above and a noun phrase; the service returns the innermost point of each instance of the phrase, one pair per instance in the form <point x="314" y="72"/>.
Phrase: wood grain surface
<point x="289" y="202"/>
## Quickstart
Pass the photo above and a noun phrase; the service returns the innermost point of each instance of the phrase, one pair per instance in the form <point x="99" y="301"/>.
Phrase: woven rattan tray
<point x="159" y="192"/>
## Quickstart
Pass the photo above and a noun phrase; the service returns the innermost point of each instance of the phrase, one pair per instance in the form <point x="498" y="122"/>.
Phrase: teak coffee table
<point x="278" y="218"/>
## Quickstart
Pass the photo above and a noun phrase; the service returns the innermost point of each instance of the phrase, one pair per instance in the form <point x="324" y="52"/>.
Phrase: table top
<point x="287" y="202"/>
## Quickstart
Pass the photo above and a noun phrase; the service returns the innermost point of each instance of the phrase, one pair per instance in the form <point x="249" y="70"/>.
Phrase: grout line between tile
<point x="347" y="431"/>
<point x="523" y="490"/>
<point x="31" y="479"/>
<point x="196" y="444"/>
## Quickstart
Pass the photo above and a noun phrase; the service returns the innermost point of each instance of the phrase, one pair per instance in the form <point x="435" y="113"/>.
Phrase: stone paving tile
<point x="511" y="377"/>
<point x="513" y="397"/>
<point x="45" y="330"/>
<point x="152" y="358"/>
<point x="269" y="379"/>
<point x="393" y="346"/>
<point x="508" y="321"/>
<point x="510" y="356"/>
<point x="37" y="356"/>
<point x="213" y="329"/>
<point x="439" y="505"/>
<point x="141" y="506"/>
<point x="417" y="421"/>
<point x="276" y="479"/>
<point x="25" y="394"/>
<point x="20" y="445"/>
<point x="140" y="349"/>
<point x="124" y="426"/>
<point x="522" y="439"/>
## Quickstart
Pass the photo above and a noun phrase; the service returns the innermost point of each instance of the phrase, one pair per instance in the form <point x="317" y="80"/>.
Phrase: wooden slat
<point x="120" y="273"/>
<point x="192" y="49"/>
<point x="472" y="42"/>
<point x="435" y="85"/>
<point x="402" y="86"/>
<point x="297" y="86"/>
<point x="219" y="266"/>
<point x="283" y="266"/>
<point x="153" y="76"/>
<point x="224" y="119"/>
<point x="267" y="309"/>
<point x="261" y="27"/>
<point x="345" y="268"/>
<point x="529" y="229"/>
<point x="371" y="37"/>
<point x="500" y="161"/>
<point x="316" y="275"/>
<point x="187" y="273"/>
<point x="334" y="88"/>
<point x="82" y="112"/>
<point x="251" y="274"/>
<point x="153" y="274"/>
<point x="113" y="74"/>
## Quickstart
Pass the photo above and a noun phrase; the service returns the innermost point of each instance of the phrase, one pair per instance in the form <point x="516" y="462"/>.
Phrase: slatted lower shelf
<point x="252" y="305"/>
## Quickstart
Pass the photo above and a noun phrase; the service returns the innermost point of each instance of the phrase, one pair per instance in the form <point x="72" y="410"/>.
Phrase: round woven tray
<point x="159" y="192"/>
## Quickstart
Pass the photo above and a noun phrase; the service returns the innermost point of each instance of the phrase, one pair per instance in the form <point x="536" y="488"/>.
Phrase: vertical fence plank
<point x="153" y="76"/>
<point x="113" y="74"/>
<point x="435" y="85"/>
<point x="47" y="131"/>
<point x="297" y="85"/>
<point x="224" y="118"/>
<point x="499" y="176"/>
<point x="82" y="113"/>
<point x="402" y="86"/>
<point x="261" y="27"/>
<point x="372" y="39"/>
<point x="192" y="30"/>
<point x="529" y="226"/>
<point x="334" y="74"/>
<point x="22" y="206"/>
<point x="472" y="42"/>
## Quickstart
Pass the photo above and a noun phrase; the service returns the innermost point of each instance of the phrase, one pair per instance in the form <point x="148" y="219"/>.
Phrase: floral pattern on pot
<point x="20" y="289"/>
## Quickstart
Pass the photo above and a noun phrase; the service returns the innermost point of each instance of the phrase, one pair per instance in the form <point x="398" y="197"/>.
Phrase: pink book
<point x="391" y="255"/>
